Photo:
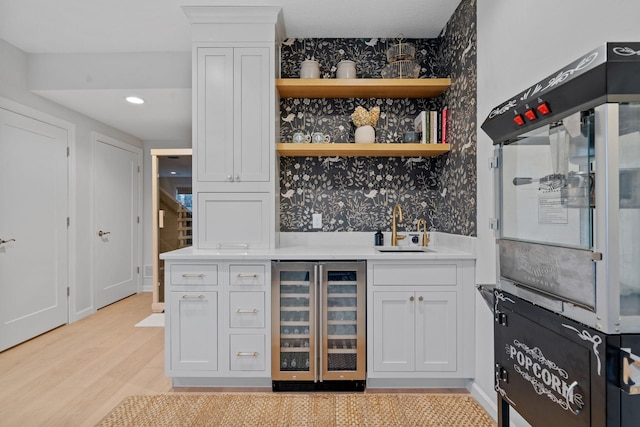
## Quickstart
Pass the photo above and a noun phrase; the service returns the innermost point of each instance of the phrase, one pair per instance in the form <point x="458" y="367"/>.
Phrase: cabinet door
<point x="436" y="331"/>
<point x="393" y="331"/>
<point x="215" y="97"/>
<point x="251" y="112"/>
<point x="233" y="126"/>
<point x="234" y="220"/>
<point x="193" y="331"/>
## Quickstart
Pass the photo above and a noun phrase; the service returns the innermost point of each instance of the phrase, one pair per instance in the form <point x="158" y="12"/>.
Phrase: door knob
<point x="103" y="233"/>
<point x="411" y="298"/>
<point x="229" y="178"/>
<point x="420" y="299"/>
<point x="2" y="241"/>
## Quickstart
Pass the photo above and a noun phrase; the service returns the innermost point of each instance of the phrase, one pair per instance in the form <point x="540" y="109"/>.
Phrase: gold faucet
<point x="394" y="231"/>
<point x="425" y="236"/>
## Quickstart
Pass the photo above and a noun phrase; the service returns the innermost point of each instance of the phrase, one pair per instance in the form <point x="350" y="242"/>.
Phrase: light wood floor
<point x="74" y="375"/>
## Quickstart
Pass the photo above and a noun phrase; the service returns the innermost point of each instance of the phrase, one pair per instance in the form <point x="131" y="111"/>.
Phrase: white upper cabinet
<point x="233" y="105"/>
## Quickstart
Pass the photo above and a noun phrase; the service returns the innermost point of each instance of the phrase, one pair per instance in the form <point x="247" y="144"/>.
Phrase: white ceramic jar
<point x="309" y="69"/>
<point x="346" y="70"/>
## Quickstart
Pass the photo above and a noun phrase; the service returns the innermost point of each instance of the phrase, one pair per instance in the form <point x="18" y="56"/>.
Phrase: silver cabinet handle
<point x="229" y="178"/>
<point x="192" y="296"/>
<point x="237" y="178"/>
<point x="187" y="275"/>
<point x="244" y="310"/>
<point x="2" y="241"/>
<point x="103" y="233"/>
<point x="247" y="275"/>
<point x="247" y="354"/>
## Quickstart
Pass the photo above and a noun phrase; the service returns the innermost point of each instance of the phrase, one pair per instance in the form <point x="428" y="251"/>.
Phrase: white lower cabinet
<point x="217" y="330"/>
<point x="414" y="331"/>
<point x="193" y="331"/>
<point x="420" y="323"/>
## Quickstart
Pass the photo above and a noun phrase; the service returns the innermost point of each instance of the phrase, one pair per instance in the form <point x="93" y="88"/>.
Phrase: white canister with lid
<point x="309" y="69"/>
<point x="346" y="70"/>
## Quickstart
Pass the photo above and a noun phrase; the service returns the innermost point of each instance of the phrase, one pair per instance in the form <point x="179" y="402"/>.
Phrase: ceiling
<point x="88" y="55"/>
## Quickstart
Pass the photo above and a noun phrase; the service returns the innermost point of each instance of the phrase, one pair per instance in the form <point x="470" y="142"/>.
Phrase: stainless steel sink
<point x="403" y="249"/>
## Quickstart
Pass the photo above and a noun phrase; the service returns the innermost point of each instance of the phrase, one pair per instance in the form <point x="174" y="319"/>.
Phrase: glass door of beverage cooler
<point x="342" y="314"/>
<point x="294" y="289"/>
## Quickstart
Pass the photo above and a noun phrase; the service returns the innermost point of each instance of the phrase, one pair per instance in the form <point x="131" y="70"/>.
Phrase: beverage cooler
<point x="568" y="219"/>
<point x="319" y="327"/>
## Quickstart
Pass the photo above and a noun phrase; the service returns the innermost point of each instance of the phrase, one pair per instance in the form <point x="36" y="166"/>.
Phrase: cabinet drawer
<point x="246" y="309"/>
<point x="247" y="352"/>
<point x="414" y="274"/>
<point x="194" y="274"/>
<point x="252" y="275"/>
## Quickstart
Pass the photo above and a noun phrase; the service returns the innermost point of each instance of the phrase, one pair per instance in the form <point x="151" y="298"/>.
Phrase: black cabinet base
<point x="320" y="386"/>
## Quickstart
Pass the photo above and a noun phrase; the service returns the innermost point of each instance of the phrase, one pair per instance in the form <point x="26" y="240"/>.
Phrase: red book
<point x="444" y="125"/>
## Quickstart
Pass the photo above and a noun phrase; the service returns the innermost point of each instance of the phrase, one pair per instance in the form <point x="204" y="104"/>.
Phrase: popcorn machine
<point x="568" y="219"/>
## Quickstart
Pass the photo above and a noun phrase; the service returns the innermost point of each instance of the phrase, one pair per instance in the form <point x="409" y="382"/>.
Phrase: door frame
<point x="15" y="107"/>
<point x="156" y="305"/>
<point x="96" y="137"/>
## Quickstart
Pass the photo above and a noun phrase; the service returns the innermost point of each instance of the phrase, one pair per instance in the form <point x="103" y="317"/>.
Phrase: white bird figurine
<point x="444" y="192"/>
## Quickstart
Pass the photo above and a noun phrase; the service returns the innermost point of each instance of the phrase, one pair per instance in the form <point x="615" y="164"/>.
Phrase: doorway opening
<point x="171" y="206"/>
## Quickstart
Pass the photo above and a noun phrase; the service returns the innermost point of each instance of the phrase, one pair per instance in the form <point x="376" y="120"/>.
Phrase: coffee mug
<point x="319" y="137"/>
<point x="299" y="137"/>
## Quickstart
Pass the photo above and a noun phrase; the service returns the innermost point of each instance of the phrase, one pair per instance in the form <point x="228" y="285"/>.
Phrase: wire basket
<point x="401" y="70"/>
<point x="401" y="51"/>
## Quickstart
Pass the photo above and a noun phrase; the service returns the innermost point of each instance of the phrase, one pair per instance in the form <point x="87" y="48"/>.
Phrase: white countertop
<point x="334" y="246"/>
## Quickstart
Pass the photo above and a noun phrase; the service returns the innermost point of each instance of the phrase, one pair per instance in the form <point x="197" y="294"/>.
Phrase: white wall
<point x="13" y="86"/>
<point x="520" y="43"/>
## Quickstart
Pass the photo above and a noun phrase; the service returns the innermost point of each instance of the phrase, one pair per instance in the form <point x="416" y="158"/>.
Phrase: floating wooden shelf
<point x="365" y="150"/>
<point x="361" y="88"/>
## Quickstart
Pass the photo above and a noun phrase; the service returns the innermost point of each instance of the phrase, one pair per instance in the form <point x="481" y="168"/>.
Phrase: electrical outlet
<point x="317" y="220"/>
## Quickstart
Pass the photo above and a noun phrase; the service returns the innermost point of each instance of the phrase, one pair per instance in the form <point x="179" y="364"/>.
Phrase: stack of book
<point x="432" y="125"/>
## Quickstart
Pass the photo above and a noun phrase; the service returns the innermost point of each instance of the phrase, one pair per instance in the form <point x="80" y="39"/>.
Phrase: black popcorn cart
<point x="567" y="305"/>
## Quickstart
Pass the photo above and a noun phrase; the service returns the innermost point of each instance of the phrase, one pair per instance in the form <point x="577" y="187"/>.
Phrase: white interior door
<point x="33" y="228"/>
<point x="116" y="214"/>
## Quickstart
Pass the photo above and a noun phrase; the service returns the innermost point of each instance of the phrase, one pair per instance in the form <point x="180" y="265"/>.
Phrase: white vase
<point x="365" y="135"/>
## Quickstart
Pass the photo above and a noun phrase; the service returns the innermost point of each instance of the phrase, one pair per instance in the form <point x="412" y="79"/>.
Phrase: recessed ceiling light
<point x="134" y="100"/>
<point x="173" y="173"/>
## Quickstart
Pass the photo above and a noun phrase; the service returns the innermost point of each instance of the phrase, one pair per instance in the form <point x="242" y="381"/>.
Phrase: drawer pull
<point x="192" y="297"/>
<point x="187" y="275"/>
<point x="243" y="310"/>
<point x="247" y="354"/>
<point x="247" y="275"/>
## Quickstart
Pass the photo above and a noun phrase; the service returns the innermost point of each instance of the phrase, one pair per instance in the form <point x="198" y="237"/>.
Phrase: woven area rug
<point x="300" y="410"/>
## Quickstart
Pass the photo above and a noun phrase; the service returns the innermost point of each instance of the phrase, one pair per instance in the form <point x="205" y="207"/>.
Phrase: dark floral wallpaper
<point x="358" y="193"/>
